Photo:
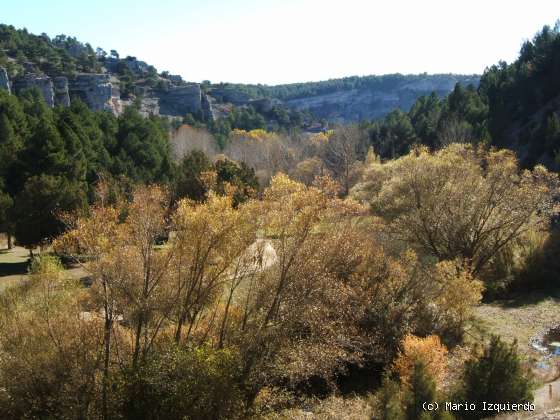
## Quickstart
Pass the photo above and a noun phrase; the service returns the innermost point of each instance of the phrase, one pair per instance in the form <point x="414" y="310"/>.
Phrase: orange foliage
<point x="428" y="350"/>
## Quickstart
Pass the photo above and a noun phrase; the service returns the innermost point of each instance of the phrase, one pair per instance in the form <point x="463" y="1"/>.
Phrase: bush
<point x="422" y="390"/>
<point x="540" y="268"/>
<point x="389" y="400"/>
<point x="179" y="383"/>
<point x="405" y="401"/>
<point x="428" y="351"/>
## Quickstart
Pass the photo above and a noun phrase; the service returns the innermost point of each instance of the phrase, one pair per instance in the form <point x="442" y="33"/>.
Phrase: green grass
<point x="518" y="319"/>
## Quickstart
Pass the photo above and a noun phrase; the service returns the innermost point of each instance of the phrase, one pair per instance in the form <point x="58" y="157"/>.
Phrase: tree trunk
<point x="137" y="340"/>
<point x="107" y="350"/>
<point x="108" y="326"/>
<point x="10" y="245"/>
<point x="224" y="320"/>
<point x="180" y="323"/>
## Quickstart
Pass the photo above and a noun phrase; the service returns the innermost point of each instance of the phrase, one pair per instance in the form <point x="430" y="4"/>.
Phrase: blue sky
<point x="286" y="41"/>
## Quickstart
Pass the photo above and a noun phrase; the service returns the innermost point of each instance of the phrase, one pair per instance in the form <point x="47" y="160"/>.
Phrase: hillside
<point x="174" y="250"/>
<point x="348" y="99"/>
<point x="63" y="68"/>
<point x="516" y="106"/>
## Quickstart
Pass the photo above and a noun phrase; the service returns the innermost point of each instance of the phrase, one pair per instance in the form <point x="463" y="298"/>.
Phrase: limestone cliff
<point x="181" y="100"/>
<point x="101" y="92"/>
<point x="54" y="91"/>
<point x="4" y="81"/>
<point x="96" y="90"/>
<point x="43" y="83"/>
<point x="185" y="99"/>
<point x="360" y="104"/>
<point x="61" y="94"/>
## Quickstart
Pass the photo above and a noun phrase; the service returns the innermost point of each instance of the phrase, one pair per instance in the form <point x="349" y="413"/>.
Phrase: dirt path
<point x="523" y="319"/>
<point x="14" y="265"/>
<point x="542" y="396"/>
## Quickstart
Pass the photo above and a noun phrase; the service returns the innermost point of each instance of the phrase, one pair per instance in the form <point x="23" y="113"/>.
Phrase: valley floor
<point x="14" y="266"/>
<point x="521" y="319"/>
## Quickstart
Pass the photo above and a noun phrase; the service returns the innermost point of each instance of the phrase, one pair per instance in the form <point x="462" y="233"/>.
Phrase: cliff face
<point x="43" y="83"/>
<point x="61" y="94"/>
<point x="4" y="81"/>
<point x="180" y="100"/>
<point x="100" y="91"/>
<point x="95" y="90"/>
<point x="359" y="104"/>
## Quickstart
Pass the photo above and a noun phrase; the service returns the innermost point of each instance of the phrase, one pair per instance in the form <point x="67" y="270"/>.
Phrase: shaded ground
<point x="14" y="266"/>
<point x="523" y="319"/>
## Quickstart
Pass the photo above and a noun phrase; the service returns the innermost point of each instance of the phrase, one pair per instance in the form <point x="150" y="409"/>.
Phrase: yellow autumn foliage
<point x="429" y="350"/>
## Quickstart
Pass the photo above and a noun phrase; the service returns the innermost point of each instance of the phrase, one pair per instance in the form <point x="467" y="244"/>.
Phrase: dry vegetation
<point x="190" y="300"/>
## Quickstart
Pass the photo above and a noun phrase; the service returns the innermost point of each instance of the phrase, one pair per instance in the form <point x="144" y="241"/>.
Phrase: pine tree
<point x="422" y="390"/>
<point x="497" y="376"/>
<point x="38" y="207"/>
<point x="389" y="400"/>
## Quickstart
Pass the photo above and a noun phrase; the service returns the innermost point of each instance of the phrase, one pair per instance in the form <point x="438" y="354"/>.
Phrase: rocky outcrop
<point x="265" y="105"/>
<point x="231" y="95"/>
<point x="61" y="94"/>
<point x="369" y="103"/>
<point x="149" y="106"/>
<point x="4" y="81"/>
<point x="95" y="90"/>
<point x="54" y="91"/>
<point x="100" y="92"/>
<point x="139" y="68"/>
<point x="207" y="108"/>
<point x="43" y="83"/>
<point x="180" y="100"/>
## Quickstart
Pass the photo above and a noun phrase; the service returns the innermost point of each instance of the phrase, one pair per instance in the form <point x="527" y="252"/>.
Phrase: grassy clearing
<point x="518" y="319"/>
<point x="522" y="319"/>
<point x="14" y="264"/>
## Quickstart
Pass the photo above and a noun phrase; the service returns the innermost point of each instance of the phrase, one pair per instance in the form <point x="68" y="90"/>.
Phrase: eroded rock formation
<point x="41" y="82"/>
<point x="95" y="90"/>
<point x="61" y="94"/>
<point x="4" y="81"/>
<point x="181" y="100"/>
<point x="54" y="91"/>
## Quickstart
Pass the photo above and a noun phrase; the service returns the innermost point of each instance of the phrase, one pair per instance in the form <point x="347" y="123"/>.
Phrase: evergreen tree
<point x="552" y="134"/>
<point x="424" y="116"/>
<point x="497" y="376"/>
<point x="6" y="204"/>
<point x="188" y="182"/>
<point x="142" y="150"/>
<point x="422" y="390"/>
<point x="13" y="131"/>
<point x="39" y="205"/>
<point x="389" y="402"/>
<point x="240" y="176"/>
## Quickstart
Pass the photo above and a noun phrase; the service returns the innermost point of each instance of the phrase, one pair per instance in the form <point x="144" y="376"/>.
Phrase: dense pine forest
<point x="265" y="264"/>
<point x="515" y="106"/>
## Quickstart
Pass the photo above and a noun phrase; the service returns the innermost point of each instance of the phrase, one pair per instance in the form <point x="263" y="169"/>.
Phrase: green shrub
<point x="496" y="376"/>
<point x="389" y="400"/>
<point x="179" y="383"/>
